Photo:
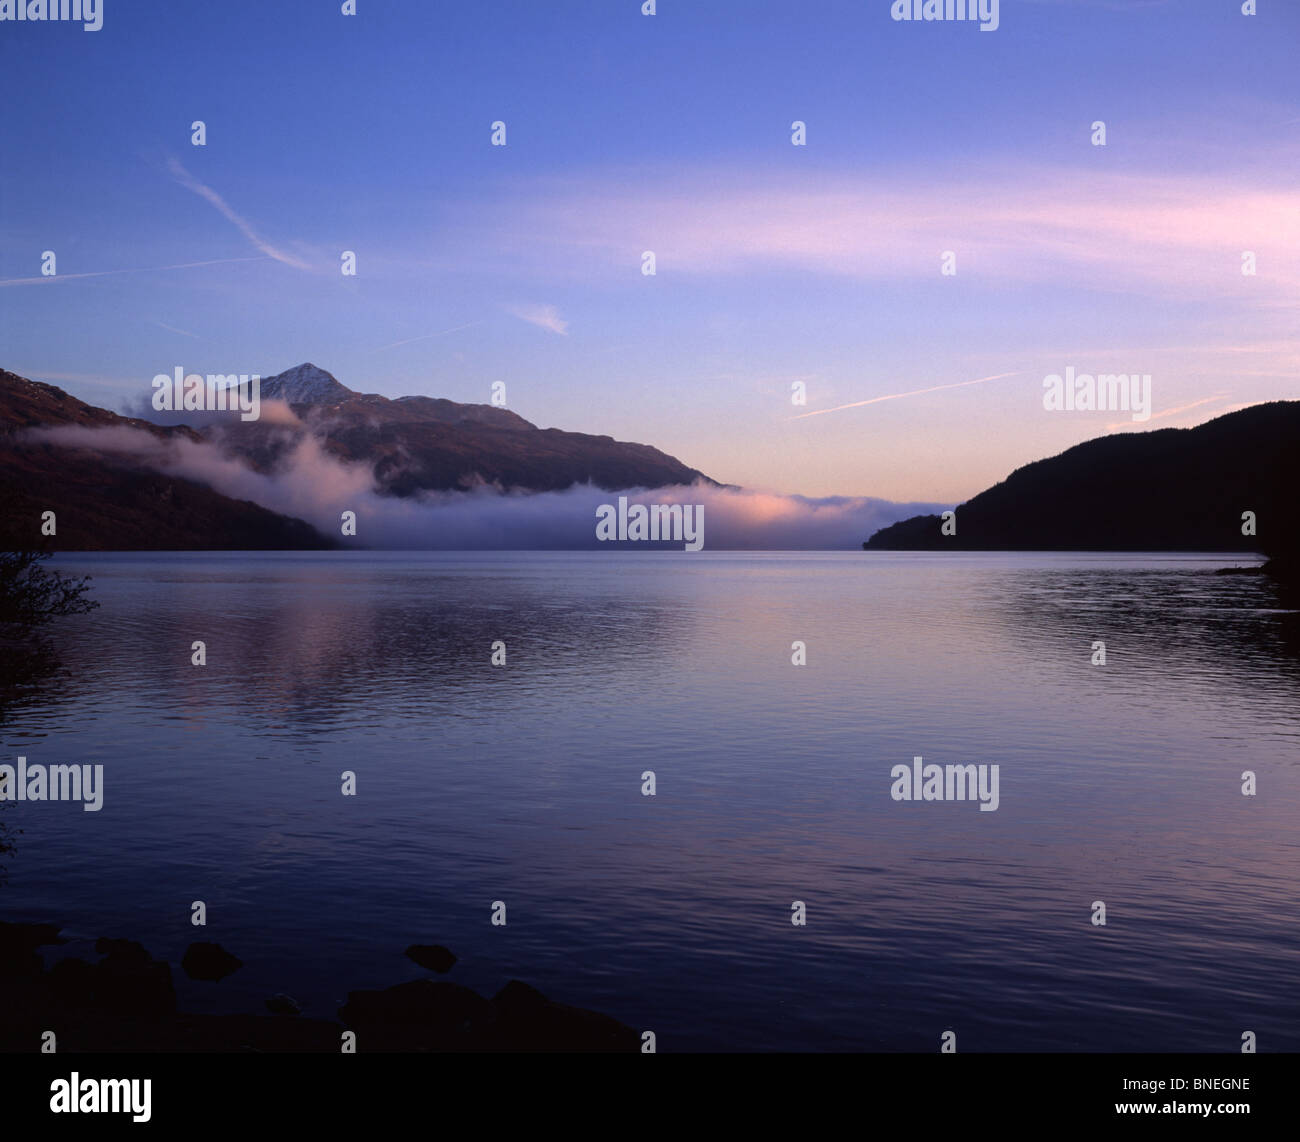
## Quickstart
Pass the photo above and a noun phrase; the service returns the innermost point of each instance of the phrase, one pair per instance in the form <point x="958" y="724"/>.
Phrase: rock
<point x="525" y="1020"/>
<point x="211" y="962"/>
<point x="73" y="982"/>
<point x="282" y="1004"/>
<point x="18" y="943"/>
<point x="128" y="981"/>
<point x="423" y="1015"/>
<point x="124" y="951"/>
<point x="126" y="1002"/>
<point x="261" y="1033"/>
<point x="421" y="1001"/>
<point x="28" y="936"/>
<point x="432" y="956"/>
<point x="518" y="997"/>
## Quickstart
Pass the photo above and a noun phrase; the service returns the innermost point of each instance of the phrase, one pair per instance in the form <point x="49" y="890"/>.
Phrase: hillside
<point x="107" y="502"/>
<point x="1174" y="489"/>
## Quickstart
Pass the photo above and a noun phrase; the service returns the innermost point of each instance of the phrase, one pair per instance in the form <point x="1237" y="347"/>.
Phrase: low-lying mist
<point x="312" y="484"/>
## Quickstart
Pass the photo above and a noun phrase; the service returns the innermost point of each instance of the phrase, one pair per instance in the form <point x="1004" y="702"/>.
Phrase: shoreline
<point x="125" y="1002"/>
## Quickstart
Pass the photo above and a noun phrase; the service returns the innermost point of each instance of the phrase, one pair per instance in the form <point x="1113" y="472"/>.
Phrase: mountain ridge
<point x="420" y="443"/>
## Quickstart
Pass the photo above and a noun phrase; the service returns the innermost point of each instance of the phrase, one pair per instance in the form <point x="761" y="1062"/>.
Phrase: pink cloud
<point x="1165" y="234"/>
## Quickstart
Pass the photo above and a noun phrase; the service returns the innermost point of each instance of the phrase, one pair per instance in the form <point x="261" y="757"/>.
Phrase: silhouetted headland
<point x="1174" y="489"/>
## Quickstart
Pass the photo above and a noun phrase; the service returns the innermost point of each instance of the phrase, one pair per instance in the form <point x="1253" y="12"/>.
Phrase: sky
<point x="775" y="264"/>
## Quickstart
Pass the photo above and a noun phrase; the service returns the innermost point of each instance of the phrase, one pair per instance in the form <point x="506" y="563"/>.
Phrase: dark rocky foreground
<point x="125" y="1002"/>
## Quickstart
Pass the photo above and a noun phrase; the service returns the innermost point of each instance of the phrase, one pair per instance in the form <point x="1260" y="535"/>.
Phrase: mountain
<point x="105" y="501"/>
<point x="305" y="384"/>
<point x="111" y="492"/>
<point x="419" y="443"/>
<point x="1174" y="489"/>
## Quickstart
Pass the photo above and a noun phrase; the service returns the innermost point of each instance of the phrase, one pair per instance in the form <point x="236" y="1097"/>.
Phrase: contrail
<point x="138" y="270"/>
<point x="425" y="336"/>
<point x="1175" y="411"/>
<point x="173" y="329"/>
<point x="899" y="396"/>
<point x="187" y="180"/>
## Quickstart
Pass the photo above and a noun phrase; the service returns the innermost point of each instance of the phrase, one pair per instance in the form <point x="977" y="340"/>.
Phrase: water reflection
<point x="523" y="783"/>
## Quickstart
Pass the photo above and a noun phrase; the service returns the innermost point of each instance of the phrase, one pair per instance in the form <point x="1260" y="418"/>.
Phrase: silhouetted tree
<point x="31" y="595"/>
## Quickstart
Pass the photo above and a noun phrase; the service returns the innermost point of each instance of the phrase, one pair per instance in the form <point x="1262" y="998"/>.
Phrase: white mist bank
<point x="313" y="485"/>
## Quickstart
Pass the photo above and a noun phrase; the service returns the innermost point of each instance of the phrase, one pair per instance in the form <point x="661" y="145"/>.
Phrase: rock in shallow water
<point x="18" y="943"/>
<point x="430" y="1015"/>
<point x="210" y="962"/>
<point x="122" y="951"/>
<point x="422" y="1015"/>
<point x="282" y="1004"/>
<point x="126" y="1002"/>
<point x="527" y="1021"/>
<point x="126" y="981"/>
<point x="434" y="957"/>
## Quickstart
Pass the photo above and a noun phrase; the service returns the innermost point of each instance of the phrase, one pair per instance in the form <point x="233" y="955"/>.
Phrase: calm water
<point x="522" y="783"/>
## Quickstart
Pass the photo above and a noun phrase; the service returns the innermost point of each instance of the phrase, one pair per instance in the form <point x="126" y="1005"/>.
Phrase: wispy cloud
<point x="1162" y="235"/>
<point x="900" y="396"/>
<point x="543" y="316"/>
<point x="187" y="180"/>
